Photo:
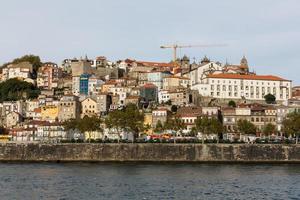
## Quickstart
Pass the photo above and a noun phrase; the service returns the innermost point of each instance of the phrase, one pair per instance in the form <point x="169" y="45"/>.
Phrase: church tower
<point x="244" y="65"/>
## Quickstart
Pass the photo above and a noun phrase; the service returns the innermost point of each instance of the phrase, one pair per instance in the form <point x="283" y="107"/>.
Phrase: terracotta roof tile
<point x="179" y="77"/>
<point x="149" y="85"/>
<point x="37" y="110"/>
<point x="248" y="77"/>
<point x="156" y="64"/>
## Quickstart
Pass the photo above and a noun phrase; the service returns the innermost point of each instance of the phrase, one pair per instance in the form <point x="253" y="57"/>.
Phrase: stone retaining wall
<point x="150" y="152"/>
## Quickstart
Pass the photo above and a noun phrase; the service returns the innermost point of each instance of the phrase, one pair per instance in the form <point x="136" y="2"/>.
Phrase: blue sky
<point x="266" y="31"/>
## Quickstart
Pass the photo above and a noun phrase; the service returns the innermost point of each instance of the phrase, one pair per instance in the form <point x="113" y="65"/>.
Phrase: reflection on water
<point x="148" y="181"/>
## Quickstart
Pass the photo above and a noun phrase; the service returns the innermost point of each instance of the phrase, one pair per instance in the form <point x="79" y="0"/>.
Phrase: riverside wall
<point x="34" y="152"/>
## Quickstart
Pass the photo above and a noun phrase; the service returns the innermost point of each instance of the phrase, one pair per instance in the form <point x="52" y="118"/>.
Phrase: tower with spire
<point x="244" y="64"/>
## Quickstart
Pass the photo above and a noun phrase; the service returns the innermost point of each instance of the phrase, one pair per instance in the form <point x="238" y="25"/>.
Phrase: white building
<point x="30" y="108"/>
<point x="12" y="106"/>
<point x="163" y="96"/>
<point x="199" y="73"/>
<point x="22" y="70"/>
<point x="236" y="82"/>
<point x="50" y="132"/>
<point x="122" y="93"/>
<point x="76" y="85"/>
<point x="177" y="97"/>
<point x="94" y="85"/>
<point x="237" y="86"/>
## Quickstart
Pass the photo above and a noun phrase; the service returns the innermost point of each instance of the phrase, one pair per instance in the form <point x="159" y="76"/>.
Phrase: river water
<point x="148" y="181"/>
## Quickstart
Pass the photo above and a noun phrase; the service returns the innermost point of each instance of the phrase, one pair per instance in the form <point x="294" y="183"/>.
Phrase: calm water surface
<point x="148" y="181"/>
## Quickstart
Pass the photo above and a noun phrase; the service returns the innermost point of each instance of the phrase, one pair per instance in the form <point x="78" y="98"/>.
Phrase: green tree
<point x="232" y="104"/>
<point x="116" y="120"/>
<point x="129" y="119"/>
<point x="245" y="127"/>
<point x="203" y="126"/>
<point x="134" y="119"/>
<point x="174" y="108"/>
<point x="159" y="127"/>
<point x="193" y="132"/>
<point x="270" y="99"/>
<point x="216" y="127"/>
<point x="90" y="124"/>
<point x="71" y="124"/>
<point x="86" y="124"/>
<point x="168" y="125"/>
<point x="174" y="124"/>
<point x="15" y="89"/>
<point x="208" y="126"/>
<point x="269" y="129"/>
<point x="291" y="125"/>
<point x="178" y="125"/>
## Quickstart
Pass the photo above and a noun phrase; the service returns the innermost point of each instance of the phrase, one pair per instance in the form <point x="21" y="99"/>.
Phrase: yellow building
<point x="105" y="88"/>
<point x="89" y="107"/>
<point x="49" y="113"/>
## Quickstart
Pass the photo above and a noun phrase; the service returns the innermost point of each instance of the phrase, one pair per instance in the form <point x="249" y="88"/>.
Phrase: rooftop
<point x="247" y="77"/>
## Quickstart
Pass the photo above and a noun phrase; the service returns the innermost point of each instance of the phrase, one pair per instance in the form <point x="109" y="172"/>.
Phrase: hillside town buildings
<point x="21" y="71"/>
<point x="183" y="90"/>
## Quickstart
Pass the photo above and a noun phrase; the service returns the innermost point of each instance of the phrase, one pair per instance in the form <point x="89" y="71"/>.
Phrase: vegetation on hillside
<point x="15" y="89"/>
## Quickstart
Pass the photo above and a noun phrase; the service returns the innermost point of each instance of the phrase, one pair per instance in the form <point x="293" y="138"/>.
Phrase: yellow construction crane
<point x="176" y="46"/>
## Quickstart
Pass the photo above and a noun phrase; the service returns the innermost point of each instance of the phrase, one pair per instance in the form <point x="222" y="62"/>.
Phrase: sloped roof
<point x="247" y="77"/>
<point x="192" y="111"/>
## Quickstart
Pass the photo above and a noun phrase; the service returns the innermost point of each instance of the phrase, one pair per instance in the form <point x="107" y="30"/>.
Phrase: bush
<point x="98" y="141"/>
<point x="232" y="104"/>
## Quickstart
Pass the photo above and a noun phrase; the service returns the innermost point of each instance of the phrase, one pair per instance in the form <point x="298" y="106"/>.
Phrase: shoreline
<point x="150" y="162"/>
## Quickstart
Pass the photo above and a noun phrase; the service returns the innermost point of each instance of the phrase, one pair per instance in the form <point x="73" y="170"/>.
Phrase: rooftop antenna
<point x="226" y="62"/>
